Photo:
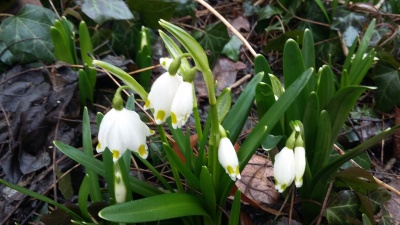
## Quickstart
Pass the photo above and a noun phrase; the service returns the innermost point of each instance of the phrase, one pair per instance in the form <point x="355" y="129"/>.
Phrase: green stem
<point x="197" y="116"/>
<point x="175" y="172"/>
<point x="214" y="134"/>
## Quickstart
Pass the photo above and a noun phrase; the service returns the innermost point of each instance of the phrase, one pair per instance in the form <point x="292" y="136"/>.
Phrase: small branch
<point x="323" y="208"/>
<point x="230" y="27"/>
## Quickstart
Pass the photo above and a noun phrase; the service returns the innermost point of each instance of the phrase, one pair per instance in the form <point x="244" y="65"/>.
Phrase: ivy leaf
<point x="151" y="11"/>
<point x="103" y="10"/>
<point x="343" y="207"/>
<point x="348" y="23"/>
<point x="232" y="48"/>
<point x="27" y="34"/>
<point x="213" y="39"/>
<point x="387" y="80"/>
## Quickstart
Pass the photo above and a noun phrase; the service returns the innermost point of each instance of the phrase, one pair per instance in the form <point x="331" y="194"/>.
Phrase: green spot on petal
<point x="98" y="145"/>
<point x="160" y="115"/>
<point x="174" y="120"/>
<point x="115" y="154"/>
<point x="230" y="170"/>
<point x="147" y="103"/>
<point x="142" y="150"/>
<point x="237" y="170"/>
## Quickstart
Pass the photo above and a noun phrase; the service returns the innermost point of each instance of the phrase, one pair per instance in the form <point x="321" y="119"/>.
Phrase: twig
<point x="383" y="184"/>
<point x="230" y="27"/>
<point x="323" y="208"/>
<point x="240" y="81"/>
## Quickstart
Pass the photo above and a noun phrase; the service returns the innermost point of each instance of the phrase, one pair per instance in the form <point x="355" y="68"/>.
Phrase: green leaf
<point x="261" y="65"/>
<point x="323" y="145"/>
<point x="344" y="205"/>
<point x="94" y="187"/>
<point x="308" y="53"/>
<point x="322" y="177"/>
<point x="83" y="196"/>
<point x="340" y="105"/>
<point x="235" y="211"/>
<point x="311" y="115"/>
<point x="241" y="109"/>
<point x="124" y="76"/>
<point x="85" y="44"/>
<point x="232" y="48"/>
<point x="293" y="67"/>
<point x="160" y="207"/>
<point x="212" y="39"/>
<point x="325" y="86"/>
<point x="387" y="79"/>
<point x="265" y="98"/>
<point x="182" y="168"/>
<point x="224" y="101"/>
<point x="349" y="23"/>
<point x="207" y="189"/>
<point x="358" y="180"/>
<point x="27" y="34"/>
<point x="174" y="50"/>
<point x="151" y="11"/>
<point x="137" y="185"/>
<point x="103" y="10"/>
<point x="191" y="45"/>
<point x="41" y="198"/>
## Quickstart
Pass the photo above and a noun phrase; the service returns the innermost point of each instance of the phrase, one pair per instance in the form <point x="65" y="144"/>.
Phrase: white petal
<point x="161" y="95"/>
<point x="284" y="169"/>
<point x="300" y="165"/>
<point x="182" y="105"/>
<point x="228" y="159"/>
<point x="121" y="130"/>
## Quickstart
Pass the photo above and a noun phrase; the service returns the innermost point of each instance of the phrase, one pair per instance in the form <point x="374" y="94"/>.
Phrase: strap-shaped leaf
<point x="85" y="44"/>
<point x="293" y="67"/>
<point x="208" y="191"/>
<point x="261" y="65"/>
<point x="155" y="208"/>
<point x="323" y="146"/>
<point x="124" y="76"/>
<point x="137" y="185"/>
<point x="93" y="180"/>
<point x="341" y="104"/>
<point x="191" y="45"/>
<point x="326" y="86"/>
<point x="241" y="109"/>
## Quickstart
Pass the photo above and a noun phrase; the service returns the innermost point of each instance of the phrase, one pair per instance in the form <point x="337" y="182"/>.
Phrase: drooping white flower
<point x="300" y="165"/>
<point x="182" y="105"/>
<point x="284" y="169"/>
<point x="161" y="96"/>
<point x="165" y="62"/>
<point x="228" y="159"/>
<point x="121" y="130"/>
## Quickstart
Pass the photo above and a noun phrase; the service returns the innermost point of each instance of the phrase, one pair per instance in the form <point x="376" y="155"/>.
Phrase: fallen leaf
<point x="240" y="23"/>
<point x="225" y="72"/>
<point x="255" y="183"/>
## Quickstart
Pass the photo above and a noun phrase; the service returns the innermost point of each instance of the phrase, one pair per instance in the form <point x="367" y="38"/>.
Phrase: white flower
<point x="161" y="95"/>
<point x="284" y="169"/>
<point x="182" y="105"/>
<point x="121" y="130"/>
<point x="228" y="159"/>
<point x="300" y="165"/>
